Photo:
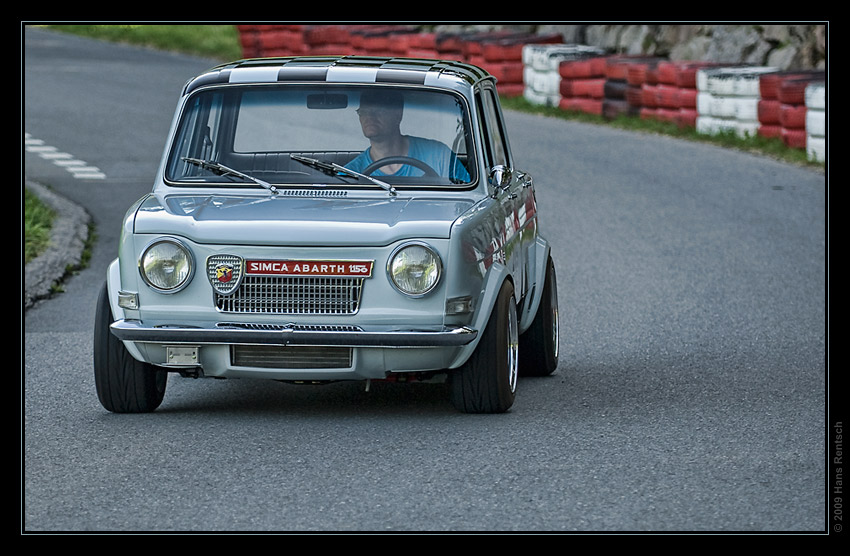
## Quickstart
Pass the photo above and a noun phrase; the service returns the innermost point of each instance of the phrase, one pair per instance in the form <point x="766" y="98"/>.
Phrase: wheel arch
<point x="113" y="285"/>
<point x="496" y="276"/>
<point x="539" y="256"/>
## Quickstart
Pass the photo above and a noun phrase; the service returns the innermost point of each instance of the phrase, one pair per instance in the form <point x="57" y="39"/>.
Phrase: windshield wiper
<point x="222" y="170"/>
<point x="331" y="168"/>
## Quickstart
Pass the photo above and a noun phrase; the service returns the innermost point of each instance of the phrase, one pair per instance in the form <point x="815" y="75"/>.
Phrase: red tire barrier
<point x="794" y="138"/>
<point x="686" y="98"/>
<point x="768" y="111"/>
<point x="792" y="116"/>
<point x="592" y="88"/>
<point x="770" y="131"/>
<point x="793" y="91"/>
<point x="668" y="96"/>
<point x="782" y="109"/>
<point x="423" y="45"/>
<point x="634" y="96"/>
<point x="649" y="95"/>
<point x="579" y="104"/>
<point x="503" y="49"/>
<point x="249" y="40"/>
<point x="769" y="84"/>
<point x="580" y="69"/>
<point x="506" y="72"/>
<point x="686" y="117"/>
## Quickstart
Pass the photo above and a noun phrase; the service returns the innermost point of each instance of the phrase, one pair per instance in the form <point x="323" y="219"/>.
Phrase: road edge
<point x="68" y="236"/>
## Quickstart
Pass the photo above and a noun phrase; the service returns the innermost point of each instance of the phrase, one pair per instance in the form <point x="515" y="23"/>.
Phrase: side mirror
<point x="500" y="176"/>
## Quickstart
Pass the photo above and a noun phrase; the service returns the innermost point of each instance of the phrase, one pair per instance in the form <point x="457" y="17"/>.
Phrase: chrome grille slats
<point x="291" y="326"/>
<point x="293" y="295"/>
<point x="300" y="357"/>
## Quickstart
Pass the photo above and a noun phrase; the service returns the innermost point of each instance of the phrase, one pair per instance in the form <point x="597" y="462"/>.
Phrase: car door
<point x="509" y="188"/>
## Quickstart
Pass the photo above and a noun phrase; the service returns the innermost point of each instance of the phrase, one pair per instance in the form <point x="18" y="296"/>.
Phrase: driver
<point x="380" y="115"/>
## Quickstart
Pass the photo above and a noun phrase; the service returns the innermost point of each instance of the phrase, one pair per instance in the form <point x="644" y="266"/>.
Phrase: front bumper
<point x="293" y="335"/>
<point x="296" y="352"/>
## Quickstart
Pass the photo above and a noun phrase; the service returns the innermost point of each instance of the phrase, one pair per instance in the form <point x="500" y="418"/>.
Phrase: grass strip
<point x="38" y="221"/>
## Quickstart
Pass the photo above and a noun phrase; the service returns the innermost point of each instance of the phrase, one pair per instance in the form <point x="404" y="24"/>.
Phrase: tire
<point x="124" y="385"/>
<point x="538" y="346"/>
<point x="486" y="383"/>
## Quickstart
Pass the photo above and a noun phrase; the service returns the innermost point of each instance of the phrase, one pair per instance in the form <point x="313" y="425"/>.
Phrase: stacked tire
<point x="280" y="40"/>
<point x="582" y="85"/>
<point x="380" y="40"/>
<point x="541" y="79"/>
<point x="422" y="45"/>
<point x="815" y="96"/>
<point x="675" y="93"/>
<point x="502" y="57"/>
<point x="327" y="39"/>
<point x="623" y="75"/>
<point x="641" y="95"/>
<point x="782" y="108"/>
<point x="792" y="111"/>
<point x="728" y="98"/>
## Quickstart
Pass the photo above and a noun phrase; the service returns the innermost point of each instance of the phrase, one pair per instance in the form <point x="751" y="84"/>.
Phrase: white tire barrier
<point x="815" y="100"/>
<point x="540" y="74"/>
<point x="728" y="99"/>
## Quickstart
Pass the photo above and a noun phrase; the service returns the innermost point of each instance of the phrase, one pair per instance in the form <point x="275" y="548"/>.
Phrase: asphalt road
<point x="690" y="395"/>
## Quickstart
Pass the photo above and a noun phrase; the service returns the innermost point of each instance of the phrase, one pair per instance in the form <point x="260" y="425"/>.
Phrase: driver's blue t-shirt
<point x="433" y="153"/>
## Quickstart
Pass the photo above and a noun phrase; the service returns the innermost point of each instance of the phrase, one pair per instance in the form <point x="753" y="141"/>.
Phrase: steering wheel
<point x="430" y="172"/>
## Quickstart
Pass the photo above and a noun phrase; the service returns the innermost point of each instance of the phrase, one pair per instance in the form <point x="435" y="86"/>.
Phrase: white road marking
<point x="78" y="168"/>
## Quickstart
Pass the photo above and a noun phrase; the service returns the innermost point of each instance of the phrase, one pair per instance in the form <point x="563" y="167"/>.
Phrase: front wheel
<point x="486" y="383"/>
<point x="124" y="385"/>
<point x="539" y="344"/>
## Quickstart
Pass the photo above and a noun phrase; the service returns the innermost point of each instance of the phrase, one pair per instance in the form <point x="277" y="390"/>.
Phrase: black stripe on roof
<point x="315" y="68"/>
<point x="389" y="75"/>
<point x="305" y="73"/>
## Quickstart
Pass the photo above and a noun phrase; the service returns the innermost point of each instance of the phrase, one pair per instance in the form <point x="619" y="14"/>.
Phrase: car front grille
<point x="291" y="357"/>
<point x="293" y="295"/>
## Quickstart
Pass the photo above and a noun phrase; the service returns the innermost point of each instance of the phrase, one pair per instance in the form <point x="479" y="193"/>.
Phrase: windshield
<point x="302" y="134"/>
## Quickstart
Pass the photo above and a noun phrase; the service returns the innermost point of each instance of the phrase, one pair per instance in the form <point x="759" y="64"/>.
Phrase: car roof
<point x="344" y="69"/>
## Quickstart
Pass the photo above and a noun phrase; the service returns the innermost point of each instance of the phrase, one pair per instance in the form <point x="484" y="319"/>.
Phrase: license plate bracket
<point x="182" y="355"/>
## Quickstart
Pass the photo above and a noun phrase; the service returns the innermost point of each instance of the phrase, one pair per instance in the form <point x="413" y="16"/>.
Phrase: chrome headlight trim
<point x="437" y="270"/>
<point x="186" y="277"/>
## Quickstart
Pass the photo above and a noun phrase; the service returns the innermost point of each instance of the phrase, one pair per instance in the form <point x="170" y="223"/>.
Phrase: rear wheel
<point x="486" y="383"/>
<point x="124" y="385"/>
<point x="539" y="344"/>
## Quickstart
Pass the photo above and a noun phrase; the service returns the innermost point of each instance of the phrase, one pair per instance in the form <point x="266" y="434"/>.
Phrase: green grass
<point x="38" y="219"/>
<point x="214" y="41"/>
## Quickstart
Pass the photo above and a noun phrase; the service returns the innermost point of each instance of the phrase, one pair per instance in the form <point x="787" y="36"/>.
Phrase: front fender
<point x="113" y="285"/>
<point x="496" y="276"/>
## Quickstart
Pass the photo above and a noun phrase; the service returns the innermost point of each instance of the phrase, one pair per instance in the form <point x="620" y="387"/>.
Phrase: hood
<point x="296" y="220"/>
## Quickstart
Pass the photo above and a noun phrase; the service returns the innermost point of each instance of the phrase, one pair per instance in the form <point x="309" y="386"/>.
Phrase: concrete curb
<point x="67" y="242"/>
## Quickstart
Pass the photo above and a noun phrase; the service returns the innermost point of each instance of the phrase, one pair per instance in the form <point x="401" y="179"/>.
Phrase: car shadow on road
<point x="339" y="399"/>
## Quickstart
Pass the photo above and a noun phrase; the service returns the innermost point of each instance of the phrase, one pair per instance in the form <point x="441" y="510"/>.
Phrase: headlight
<point x="166" y="266"/>
<point x="414" y="269"/>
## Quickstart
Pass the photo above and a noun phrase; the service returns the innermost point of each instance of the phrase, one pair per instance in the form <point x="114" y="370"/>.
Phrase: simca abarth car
<point x="324" y="219"/>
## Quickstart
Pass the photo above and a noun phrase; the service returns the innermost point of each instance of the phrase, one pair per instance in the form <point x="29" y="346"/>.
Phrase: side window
<point x="495" y="146"/>
<point x="199" y="135"/>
